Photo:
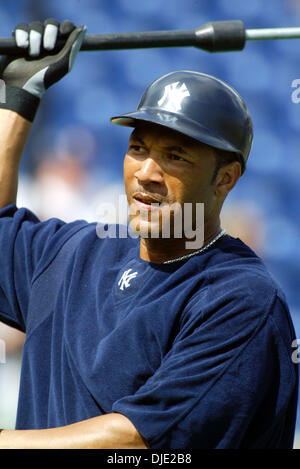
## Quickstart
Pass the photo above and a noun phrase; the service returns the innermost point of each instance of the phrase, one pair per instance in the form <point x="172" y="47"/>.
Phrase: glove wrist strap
<point x="20" y="101"/>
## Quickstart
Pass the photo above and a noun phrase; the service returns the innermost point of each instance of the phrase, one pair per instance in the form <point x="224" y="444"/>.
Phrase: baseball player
<point x="143" y="342"/>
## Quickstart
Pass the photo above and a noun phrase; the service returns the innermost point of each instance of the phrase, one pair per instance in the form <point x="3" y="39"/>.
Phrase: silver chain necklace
<point x="222" y="232"/>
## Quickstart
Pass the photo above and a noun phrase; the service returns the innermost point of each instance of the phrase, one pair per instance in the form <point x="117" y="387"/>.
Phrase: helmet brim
<point x="175" y="122"/>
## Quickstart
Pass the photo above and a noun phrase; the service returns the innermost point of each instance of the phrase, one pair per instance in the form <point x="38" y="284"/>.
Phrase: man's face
<point x="164" y="167"/>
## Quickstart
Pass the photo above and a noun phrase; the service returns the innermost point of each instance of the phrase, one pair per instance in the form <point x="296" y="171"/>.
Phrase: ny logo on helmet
<point x="173" y="97"/>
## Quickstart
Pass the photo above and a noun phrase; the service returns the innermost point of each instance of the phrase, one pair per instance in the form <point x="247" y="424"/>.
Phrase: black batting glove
<point x="27" y="78"/>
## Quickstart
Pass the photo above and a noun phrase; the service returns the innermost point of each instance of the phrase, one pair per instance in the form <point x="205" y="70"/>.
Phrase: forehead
<point x="161" y="134"/>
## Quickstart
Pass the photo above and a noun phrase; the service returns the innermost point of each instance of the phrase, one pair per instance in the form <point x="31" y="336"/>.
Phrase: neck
<point x="160" y="250"/>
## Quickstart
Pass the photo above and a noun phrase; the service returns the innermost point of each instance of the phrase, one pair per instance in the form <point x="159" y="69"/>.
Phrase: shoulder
<point x="235" y="297"/>
<point x="233" y="281"/>
<point x="235" y="264"/>
<point x="89" y="245"/>
<point x="43" y="240"/>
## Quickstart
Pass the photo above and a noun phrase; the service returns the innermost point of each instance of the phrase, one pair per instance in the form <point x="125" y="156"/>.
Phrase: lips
<point x="144" y="202"/>
<point x="145" y="198"/>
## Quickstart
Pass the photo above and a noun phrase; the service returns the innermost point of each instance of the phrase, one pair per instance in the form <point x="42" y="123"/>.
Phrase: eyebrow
<point x="137" y="139"/>
<point x="176" y="148"/>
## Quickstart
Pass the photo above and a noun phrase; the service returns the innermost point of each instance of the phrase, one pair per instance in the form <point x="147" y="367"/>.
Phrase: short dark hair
<point x="224" y="158"/>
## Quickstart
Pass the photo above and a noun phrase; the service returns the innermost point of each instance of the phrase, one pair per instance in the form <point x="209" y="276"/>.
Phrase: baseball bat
<point x="217" y="36"/>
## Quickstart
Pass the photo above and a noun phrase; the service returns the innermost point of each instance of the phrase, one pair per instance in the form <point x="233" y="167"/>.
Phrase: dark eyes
<point x="173" y="156"/>
<point x="138" y="149"/>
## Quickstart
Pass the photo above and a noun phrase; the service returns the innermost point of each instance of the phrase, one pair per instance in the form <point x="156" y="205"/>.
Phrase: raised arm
<point x="14" y="131"/>
<point x="25" y="83"/>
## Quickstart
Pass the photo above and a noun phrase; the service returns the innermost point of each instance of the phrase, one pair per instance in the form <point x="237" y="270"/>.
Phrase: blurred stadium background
<point x="74" y="156"/>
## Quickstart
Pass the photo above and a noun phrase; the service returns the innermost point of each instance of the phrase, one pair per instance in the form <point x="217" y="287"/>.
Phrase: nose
<point x="149" y="171"/>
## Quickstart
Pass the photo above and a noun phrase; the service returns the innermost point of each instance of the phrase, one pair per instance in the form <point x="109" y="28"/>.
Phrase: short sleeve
<point x="219" y="372"/>
<point x="27" y="244"/>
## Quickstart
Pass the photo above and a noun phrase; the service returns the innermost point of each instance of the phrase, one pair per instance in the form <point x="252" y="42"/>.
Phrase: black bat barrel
<point x="213" y="37"/>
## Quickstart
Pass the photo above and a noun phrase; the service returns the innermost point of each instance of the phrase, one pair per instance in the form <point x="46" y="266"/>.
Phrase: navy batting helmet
<point x="198" y="105"/>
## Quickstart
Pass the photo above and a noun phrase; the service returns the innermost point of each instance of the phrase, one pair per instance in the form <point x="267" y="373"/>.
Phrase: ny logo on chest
<point x="127" y="276"/>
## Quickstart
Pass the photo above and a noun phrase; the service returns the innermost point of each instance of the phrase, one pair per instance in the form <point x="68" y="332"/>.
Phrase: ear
<point x="227" y="178"/>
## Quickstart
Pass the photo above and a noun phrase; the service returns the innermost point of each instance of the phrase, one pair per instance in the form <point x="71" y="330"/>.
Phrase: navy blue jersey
<point x="197" y="353"/>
